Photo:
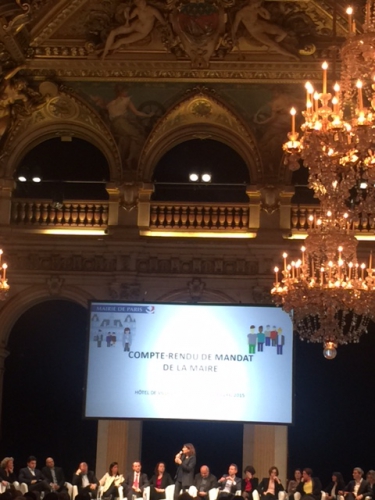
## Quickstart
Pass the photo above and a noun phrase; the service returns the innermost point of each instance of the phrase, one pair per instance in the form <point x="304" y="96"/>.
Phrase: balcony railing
<point x="36" y="213"/>
<point x="304" y="217"/>
<point x="179" y="216"/>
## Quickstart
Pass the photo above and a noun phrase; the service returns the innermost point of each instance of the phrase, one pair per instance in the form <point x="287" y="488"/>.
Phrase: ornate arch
<point x="200" y="295"/>
<point x="31" y="296"/>
<point x="64" y="114"/>
<point x="201" y="115"/>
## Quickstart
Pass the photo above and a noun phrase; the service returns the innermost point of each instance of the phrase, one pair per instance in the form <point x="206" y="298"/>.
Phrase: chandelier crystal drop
<point x="330" y="293"/>
<point x="4" y="286"/>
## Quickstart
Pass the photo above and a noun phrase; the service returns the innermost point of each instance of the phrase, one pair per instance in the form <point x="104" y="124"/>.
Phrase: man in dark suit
<point x="34" y="479"/>
<point x="135" y="482"/>
<point x="54" y="475"/>
<point x="85" y="480"/>
<point x="359" y="488"/>
<point x="204" y="481"/>
<point x="310" y="488"/>
<point x="230" y="483"/>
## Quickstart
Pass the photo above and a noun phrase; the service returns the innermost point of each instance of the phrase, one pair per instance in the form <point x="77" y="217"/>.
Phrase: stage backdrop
<point x="200" y="362"/>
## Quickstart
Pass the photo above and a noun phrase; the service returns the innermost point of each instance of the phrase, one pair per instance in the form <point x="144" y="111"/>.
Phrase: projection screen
<point x="191" y="362"/>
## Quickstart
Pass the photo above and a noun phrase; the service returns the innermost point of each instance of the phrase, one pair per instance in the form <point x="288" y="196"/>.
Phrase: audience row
<point x="133" y="485"/>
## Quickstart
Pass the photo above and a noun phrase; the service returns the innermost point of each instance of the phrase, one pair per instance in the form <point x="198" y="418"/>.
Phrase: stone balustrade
<point x="34" y="213"/>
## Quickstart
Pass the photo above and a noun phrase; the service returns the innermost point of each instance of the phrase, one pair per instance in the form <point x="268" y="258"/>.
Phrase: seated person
<point x="249" y="483"/>
<point x="358" y="488"/>
<point x="337" y="484"/>
<point x="54" y="475"/>
<point x="293" y="483"/>
<point x="230" y="483"/>
<point x="370" y="476"/>
<point x="159" y="481"/>
<point x="111" y="481"/>
<point x="34" y="479"/>
<point x="270" y="488"/>
<point x="8" y="477"/>
<point x="310" y="488"/>
<point x="204" y="481"/>
<point x="85" y="480"/>
<point x="135" y="482"/>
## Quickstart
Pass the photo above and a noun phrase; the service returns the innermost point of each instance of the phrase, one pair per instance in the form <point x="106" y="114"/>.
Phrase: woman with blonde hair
<point x="8" y="477"/>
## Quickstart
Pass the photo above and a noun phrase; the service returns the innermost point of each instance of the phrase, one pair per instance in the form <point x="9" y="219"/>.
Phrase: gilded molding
<point x="200" y="111"/>
<point x="71" y="7"/>
<point x="180" y="71"/>
<point x="65" y="107"/>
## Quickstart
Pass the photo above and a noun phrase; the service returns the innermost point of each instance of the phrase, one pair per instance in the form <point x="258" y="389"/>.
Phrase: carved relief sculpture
<point x="16" y="99"/>
<point x="256" y="20"/>
<point x="138" y="24"/>
<point x="129" y="134"/>
<point x="200" y="28"/>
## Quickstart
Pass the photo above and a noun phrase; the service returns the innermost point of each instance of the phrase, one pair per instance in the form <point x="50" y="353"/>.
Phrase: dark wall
<point x="43" y="388"/>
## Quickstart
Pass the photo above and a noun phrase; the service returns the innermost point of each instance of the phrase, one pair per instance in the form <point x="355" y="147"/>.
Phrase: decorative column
<point x="286" y="196"/>
<point x="114" y="197"/>
<point x="254" y="207"/>
<point x="118" y="441"/>
<point x="265" y="446"/>
<point x="6" y="188"/>
<point x="3" y="355"/>
<point x="144" y="205"/>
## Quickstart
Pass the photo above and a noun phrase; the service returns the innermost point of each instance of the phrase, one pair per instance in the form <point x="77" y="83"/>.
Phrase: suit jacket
<point x="185" y="471"/>
<point x="364" y="488"/>
<point x="77" y="480"/>
<point x="235" y="487"/>
<point x="25" y="476"/>
<point x="166" y="480"/>
<point x="340" y="486"/>
<point x="263" y="486"/>
<point x="254" y="483"/>
<point x="211" y="482"/>
<point x="46" y="471"/>
<point x="129" y="479"/>
<point x="317" y="488"/>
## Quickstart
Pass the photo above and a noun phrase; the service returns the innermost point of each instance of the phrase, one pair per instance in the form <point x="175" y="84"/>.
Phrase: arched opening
<point x="302" y="192"/>
<point x="43" y="388"/>
<point x="228" y="173"/>
<point x="69" y="168"/>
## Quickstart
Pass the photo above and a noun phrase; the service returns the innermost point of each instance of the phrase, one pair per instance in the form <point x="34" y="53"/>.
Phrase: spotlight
<point x="193" y="177"/>
<point x="363" y="185"/>
<point x="22" y="174"/>
<point x="36" y="174"/>
<point x="206" y="177"/>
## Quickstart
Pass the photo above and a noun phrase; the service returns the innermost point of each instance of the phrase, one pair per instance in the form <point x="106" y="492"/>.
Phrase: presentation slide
<point x="190" y="362"/>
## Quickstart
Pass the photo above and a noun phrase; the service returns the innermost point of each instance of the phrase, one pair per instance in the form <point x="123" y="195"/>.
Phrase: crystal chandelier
<point x="331" y="294"/>
<point x="4" y="287"/>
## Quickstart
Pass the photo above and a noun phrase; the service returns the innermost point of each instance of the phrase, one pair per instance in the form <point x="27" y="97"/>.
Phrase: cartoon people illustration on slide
<point x="127" y="338"/>
<point x="268" y="335"/>
<point x="280" y="341"/>
<point x="265" y="338"/>
<point x="273" y="335"/>
<point x="252" y="339"/>
<point x="261" y="338"/>
<point x="98" y="339"/>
